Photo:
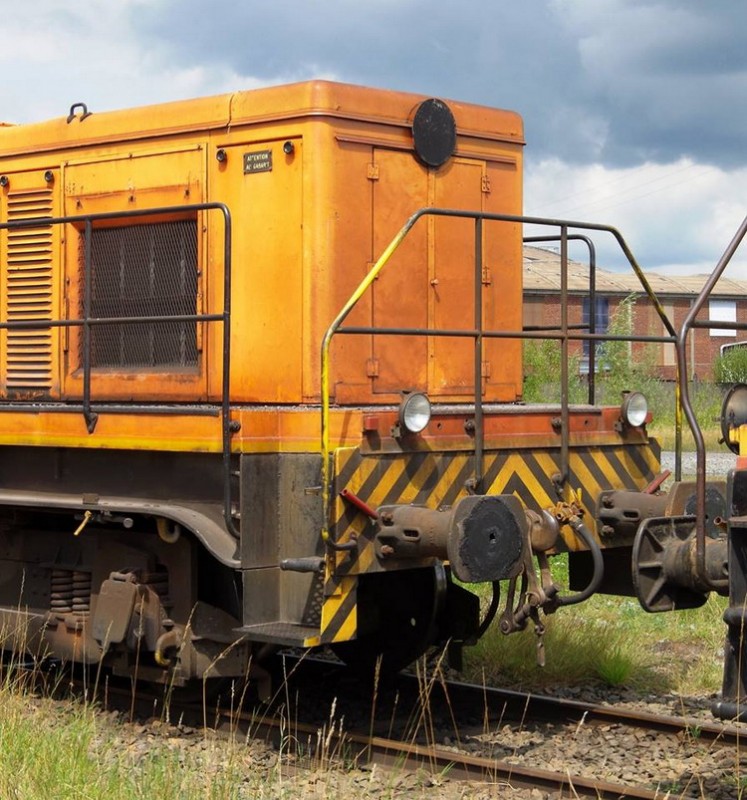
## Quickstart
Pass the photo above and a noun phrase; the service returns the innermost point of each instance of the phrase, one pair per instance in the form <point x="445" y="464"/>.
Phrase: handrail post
<point x="226" y="425"/>
<point x="592" y="379"/>
<point x="479" y="421"/>
<point x="565" y="416"/>
<point x="700" y="503"/>
<point x="89" y="416"/>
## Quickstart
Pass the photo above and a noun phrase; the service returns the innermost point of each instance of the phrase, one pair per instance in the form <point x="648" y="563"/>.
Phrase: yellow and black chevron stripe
<point x="340" y="608"/>
<point x="437" y="479"/>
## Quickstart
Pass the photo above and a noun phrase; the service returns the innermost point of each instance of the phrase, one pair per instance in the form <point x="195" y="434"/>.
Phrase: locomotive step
<point x="284" y="633"/>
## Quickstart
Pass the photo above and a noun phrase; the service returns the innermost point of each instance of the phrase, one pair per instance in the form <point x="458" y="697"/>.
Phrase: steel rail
<point x="472" y="699"/>
<point x="363" y="748"/>
<point x="407" y="757"/>
<point x="512" y="704"/>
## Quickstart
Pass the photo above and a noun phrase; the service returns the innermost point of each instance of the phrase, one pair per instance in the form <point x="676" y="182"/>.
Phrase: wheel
<point x="398" y="615"/>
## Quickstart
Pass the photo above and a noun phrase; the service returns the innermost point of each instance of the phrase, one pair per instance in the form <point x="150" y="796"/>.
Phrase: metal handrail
<point x="592" y="329"/>
<point x="681" y="350"/>
<point x="592" y="295"/>
<point x="478" y="334"/>
<point x="87" y="407"/>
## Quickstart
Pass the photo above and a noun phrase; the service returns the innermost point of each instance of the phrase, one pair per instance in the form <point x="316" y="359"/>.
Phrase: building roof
<point x="542" y="275"/>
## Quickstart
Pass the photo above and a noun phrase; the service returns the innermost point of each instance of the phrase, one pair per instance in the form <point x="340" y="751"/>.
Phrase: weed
<point x="615" y="665"/>
<point x="619" y="371"/>
<point x="542" y="363"/>
<point x="694" y="731"/>
<point x="608" y="640"/>
<point x="731" y="366"/>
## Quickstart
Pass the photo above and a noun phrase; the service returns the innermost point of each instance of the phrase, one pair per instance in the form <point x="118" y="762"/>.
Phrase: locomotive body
<point x="242" y="406"/>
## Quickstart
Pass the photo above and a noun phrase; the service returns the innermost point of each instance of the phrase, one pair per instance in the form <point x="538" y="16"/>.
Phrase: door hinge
<point x="487" y="278"/>
<point x="486" y="369"/>
<point x="372" y="367"/>
<point x="486" y="184"/>
<point x="372" y="172"/>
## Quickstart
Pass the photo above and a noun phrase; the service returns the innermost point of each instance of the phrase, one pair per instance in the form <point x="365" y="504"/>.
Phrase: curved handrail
<point x="478" y="334"/>
<point x="681" y="350"/>
<point x="86" y="222"/>
<point x="331" y="330"/>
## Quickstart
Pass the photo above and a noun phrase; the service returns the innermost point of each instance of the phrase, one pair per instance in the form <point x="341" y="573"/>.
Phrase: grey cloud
<point x="617" y="81"/>
<point x="670" y="76"/>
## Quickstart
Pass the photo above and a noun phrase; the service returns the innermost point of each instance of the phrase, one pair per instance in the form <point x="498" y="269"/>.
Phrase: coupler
<point x="482" y="536"/>
<point x="664" y="565"/>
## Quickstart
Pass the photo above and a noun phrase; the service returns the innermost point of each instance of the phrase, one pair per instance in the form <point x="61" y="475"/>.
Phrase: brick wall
<point x="702" y="349"/>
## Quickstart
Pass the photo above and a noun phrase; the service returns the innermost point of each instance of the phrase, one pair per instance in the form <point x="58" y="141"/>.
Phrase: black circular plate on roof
<point x="434" y="132"/>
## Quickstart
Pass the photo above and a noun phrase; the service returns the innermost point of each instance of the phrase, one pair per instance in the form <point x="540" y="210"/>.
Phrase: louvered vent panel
<point x="29" y="293"/>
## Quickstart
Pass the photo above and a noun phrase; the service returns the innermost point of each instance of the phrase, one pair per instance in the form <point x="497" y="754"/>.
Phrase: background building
<point x="676" y="294"/>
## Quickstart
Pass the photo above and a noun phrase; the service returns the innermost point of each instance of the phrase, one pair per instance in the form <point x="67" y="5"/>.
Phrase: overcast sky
<point x="635" y="111"/>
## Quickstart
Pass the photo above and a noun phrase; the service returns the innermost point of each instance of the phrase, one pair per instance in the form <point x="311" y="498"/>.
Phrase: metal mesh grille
<point x="144" y="271"/>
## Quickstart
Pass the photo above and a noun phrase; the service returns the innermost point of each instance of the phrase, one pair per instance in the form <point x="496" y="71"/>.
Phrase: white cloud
<point x="610" y="81"/>
<point x="90" y="53"/>
<point x="676" y="218"/>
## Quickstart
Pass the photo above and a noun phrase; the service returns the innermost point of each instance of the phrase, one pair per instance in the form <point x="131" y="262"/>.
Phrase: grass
<point x="72" y="751"/>
<point x="77" y="751"/>
<point x="57" y="750"/>
<point x="609" y="641"/>
<point x="665" y="436"/>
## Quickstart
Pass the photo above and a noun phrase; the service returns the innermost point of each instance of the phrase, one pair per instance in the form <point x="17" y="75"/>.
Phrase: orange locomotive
<point x="262" y="383"/>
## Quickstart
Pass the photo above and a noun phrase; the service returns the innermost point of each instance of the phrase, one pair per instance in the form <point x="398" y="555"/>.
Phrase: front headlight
<point x="733" y="414"/>
<point x="634" y="409"/>
<point x="415" y="412"/>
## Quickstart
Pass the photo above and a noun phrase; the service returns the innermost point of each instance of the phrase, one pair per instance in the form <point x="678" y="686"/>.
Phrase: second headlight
<point x="634" y="409"/>
<point x="414" y="412"/>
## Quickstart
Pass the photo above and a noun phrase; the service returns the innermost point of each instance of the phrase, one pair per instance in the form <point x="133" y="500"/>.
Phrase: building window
<point x="601" y="324"/>
<point x="723" y="311"/>
<point x="144" y="271"/>
<point x="534" y="313"/>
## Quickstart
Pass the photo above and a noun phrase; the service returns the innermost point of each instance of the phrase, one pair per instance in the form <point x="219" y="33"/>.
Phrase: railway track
<point x="513" y="705"/>
<point x="428" y="706"/>
<point x="314" y="713"/>
<point x="393" y="753"/>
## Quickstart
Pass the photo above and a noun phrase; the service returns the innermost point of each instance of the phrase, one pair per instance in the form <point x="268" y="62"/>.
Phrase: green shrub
<point x="731" y="367"/>
<point x="542" y="363"/>
<point x="618" y="370"/>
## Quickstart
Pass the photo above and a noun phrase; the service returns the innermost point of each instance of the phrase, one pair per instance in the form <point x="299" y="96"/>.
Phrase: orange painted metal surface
<point x="318" y="178"/>
<point x="269" y="429"/>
